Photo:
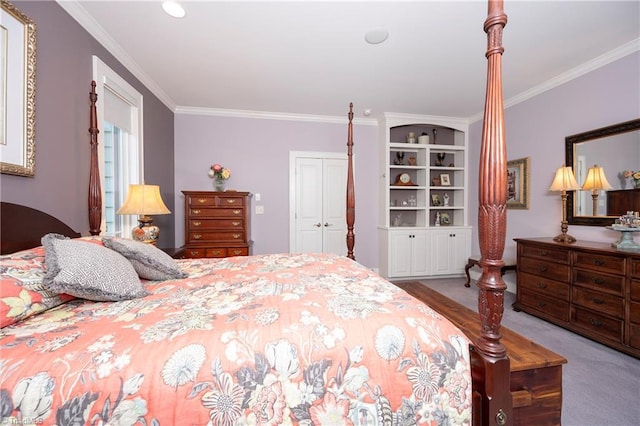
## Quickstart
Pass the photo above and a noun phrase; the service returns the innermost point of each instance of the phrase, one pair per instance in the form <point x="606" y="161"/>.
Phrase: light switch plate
<point x="259" y="209"/>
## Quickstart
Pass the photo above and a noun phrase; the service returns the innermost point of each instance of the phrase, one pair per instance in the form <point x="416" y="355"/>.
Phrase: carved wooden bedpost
<point x="489" y="352"/>
<point x="95" y="191"/>
<point x="351" y="195"/>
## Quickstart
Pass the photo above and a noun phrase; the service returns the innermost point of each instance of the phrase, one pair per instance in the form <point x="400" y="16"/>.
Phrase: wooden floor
<point x="536" y="372"/>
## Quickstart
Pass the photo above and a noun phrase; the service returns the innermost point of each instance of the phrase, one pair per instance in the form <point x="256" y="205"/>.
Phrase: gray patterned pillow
<point x="150" y="262"/>
<point x="88" y="270"/>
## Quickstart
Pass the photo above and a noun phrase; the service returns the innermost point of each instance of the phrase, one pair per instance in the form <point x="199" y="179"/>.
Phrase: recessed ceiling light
<point x="173" y="8"/>
<point x="376" y="36"/>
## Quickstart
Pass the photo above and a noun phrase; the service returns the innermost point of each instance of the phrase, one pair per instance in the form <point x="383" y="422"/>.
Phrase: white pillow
<point x="150" y="262"/>
<point x="88" y="270"/>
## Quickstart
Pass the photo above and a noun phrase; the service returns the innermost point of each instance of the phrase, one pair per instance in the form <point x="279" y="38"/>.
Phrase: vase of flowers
<point x="219" y="175"/>
<point x="635" y="177"/>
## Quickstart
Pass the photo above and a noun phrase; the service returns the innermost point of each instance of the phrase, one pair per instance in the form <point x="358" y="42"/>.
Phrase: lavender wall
<point x="536" y="128"/>
<point x="63" y="76"/>
<point x="257" y="152"/>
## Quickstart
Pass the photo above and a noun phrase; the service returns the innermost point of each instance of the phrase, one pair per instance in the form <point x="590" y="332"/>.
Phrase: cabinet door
<point x="450" y="250"/>
<point x="420" y="253"/>
<point x="400" y="254"/>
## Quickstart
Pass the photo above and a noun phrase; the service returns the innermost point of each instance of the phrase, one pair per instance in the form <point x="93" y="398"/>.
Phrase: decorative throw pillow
<point x="89" y="271"/>
<point x="22" y="291"/>
<point x="150" y="262"/>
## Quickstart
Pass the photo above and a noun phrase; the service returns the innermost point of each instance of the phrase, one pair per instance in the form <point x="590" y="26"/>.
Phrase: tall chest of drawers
<point x="217" y="224"/>
<point x="587" y="287"/>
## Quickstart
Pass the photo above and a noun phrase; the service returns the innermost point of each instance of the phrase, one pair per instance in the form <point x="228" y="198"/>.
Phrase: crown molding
<point x="218" y="112"/>
<point x="592" y="65"/>
<point x="79" y="13"/>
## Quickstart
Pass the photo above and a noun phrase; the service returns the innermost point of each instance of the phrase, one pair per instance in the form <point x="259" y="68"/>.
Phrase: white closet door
<point x="319" y="214"/>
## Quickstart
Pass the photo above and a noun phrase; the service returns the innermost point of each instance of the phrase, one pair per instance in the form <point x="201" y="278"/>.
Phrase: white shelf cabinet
<point x="450" y="249"/>
<point x="438" y="170"/>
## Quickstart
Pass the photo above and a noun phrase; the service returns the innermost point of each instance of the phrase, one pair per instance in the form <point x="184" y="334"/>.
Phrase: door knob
<point x="318" y="225"/>
<point x="327" y="224"/>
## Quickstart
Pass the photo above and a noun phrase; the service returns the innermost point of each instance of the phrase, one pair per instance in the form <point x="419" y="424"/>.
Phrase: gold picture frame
<point x="17" y="91"/>
<point x="518" y="183"/>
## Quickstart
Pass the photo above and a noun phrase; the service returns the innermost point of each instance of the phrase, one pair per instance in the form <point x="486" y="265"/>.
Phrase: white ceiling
<point x="310" y="57"/>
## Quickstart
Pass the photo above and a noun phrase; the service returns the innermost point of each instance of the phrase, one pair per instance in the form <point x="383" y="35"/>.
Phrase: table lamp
<point x="144" y="200"/>
<point x="564" y="181"/>
<point x="595" y="181"/>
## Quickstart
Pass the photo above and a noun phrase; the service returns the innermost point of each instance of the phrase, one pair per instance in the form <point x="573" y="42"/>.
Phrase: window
<point x="120" y="148"/>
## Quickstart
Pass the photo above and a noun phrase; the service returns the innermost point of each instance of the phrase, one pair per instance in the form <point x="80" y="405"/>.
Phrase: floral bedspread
<point x="309" y="339"/>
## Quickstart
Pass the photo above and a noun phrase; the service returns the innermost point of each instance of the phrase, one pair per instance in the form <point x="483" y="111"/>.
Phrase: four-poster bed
<point x="332" y="380"/>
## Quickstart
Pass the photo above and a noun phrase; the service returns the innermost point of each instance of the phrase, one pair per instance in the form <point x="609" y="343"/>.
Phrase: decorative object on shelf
<point x="436" y="221"/>
<point x="397" y="220"/>
<point x="412" y="161"/>
<point x="596" y="181"/>
<point x="144" y="200"/>
<point x="424" y="138"/>
<point x="435" y="136"/>
<point x="634" y="175"/>
<point x="445" y="219"/>
<point x="435" y="181"/>
<point x="445" y="200"/>
<point x="412" y="201"/>
<point x="435" y="200"/>
<point x="411" y="138"/>
<point x="440" y="156"/>
<point x="399" y="160"/>
<point x="403" y="179"/>
<point x="219" y="175"/>
<point x="564" y="181"/>
<point x="518" y="183"/>
<point x="444" y="179"/>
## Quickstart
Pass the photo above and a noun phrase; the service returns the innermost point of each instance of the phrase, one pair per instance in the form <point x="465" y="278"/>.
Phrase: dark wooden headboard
<point x="22" y="227"/>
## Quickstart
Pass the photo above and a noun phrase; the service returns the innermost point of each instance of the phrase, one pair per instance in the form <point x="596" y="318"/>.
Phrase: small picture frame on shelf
<point x="444" y="179"/>
<point x="435" y="200"/>
<point x="435" y="181"/>
<point x="412" y="161"/>
<point x="445" y="219"/>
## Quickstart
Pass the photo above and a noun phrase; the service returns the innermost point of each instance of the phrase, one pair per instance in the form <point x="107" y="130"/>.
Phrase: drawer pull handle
<point x="596" y="323"/>
<point x="202" y="200"/>
<point x="197" y="236"/>
<point x="235" y="223"/>
<point x="541" y="304"/>
<point x="598" y="281"/>
<point x="196" y="211"/>
<point x="237" y="252"/>
<point x="542" y="285"/>
<point x="236" y="236"/>
<point x="542" y="268"/>
<point x="543" y="253"/>
<point x="598" y="262"/>
<point x="597" y="301"/>
<point x="197" y="223"/>
<point x="193" y="253"/>
<point x="216" y="252"/>
<point x="237" y="211"/>
<point x="231" y="200"/>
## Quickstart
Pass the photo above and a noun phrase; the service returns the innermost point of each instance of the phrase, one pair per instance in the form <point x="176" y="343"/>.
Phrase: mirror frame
<point x="570" y="142"/>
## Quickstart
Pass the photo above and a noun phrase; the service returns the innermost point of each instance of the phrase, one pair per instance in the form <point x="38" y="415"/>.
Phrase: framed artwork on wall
<point x="518" y="183"/>
<point x="17" y="91"/>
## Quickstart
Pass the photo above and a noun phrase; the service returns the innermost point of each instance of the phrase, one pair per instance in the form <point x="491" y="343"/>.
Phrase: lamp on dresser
<point x="144" y="200"/>
<point x="564" y="181"/>
<point x="596" y="181"/>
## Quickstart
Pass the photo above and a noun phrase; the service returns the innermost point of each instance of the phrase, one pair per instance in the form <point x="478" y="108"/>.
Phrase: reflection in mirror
<point x="615" y="149"/>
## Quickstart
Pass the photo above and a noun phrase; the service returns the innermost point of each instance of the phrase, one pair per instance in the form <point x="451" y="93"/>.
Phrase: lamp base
<point x="564" y="238"/>
<point x="146" y="232"/>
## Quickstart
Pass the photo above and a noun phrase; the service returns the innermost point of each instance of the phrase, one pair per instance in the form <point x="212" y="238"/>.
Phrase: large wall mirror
<point x="615" y="149"/>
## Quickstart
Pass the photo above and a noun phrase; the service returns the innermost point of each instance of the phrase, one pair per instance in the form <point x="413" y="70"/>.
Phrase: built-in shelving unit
<point x="432" y="151"/>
